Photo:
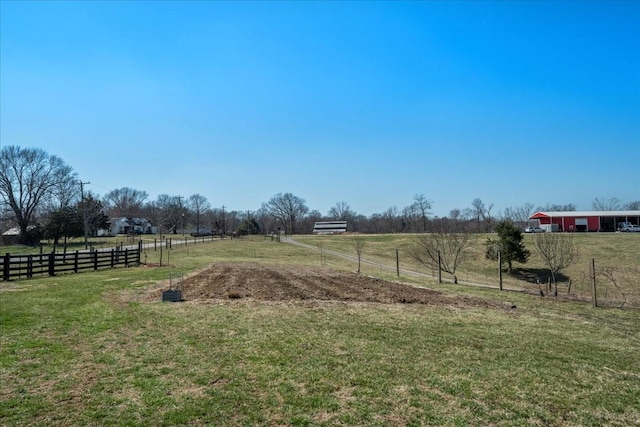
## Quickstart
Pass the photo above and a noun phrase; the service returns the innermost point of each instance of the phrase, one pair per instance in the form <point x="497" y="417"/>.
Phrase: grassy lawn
<point x="80" y="350"/>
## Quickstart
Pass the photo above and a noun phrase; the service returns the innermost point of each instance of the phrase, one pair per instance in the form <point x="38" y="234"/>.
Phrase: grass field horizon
<point x="617" y="252"/>
<point x="82" y="349"/>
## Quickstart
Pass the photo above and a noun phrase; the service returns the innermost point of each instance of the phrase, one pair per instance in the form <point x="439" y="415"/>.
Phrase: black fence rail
<point x="15" y="267"/>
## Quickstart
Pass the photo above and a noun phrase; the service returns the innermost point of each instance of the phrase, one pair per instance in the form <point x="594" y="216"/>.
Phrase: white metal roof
<point x="586" y="213"/>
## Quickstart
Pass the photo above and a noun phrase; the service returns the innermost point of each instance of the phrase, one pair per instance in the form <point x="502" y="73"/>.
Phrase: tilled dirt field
<point x="227" y="281"/>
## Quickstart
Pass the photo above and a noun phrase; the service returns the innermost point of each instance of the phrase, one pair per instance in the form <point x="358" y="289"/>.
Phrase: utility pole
<point x="85" y="221"/>
<point x="181" y="215"/>
<point x="224" y="230"/>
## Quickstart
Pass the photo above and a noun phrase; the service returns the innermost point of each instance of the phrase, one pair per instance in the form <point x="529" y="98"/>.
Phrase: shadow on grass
<point x="537" y="275"/>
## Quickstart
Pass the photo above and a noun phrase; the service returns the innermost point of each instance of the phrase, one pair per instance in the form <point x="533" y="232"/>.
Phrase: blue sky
<point x="369" y="103"/>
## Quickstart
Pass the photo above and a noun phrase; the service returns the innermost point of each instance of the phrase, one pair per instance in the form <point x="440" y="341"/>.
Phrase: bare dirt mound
<point x="227" y="281"/>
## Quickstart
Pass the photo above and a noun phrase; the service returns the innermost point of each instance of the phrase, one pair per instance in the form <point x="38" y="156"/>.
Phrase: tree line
<point x="43" y="196"/>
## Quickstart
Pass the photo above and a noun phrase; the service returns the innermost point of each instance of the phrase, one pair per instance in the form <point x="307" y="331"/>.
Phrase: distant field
<point x="619" y="252"/>
<point x="93" y="349"/>
<point x="616" y="255"/>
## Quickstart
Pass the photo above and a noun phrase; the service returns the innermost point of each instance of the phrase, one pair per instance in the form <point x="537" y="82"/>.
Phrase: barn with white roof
<point x="586" y="221"/>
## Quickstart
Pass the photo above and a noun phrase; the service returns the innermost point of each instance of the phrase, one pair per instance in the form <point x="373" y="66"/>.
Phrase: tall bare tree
<point x="602" y="204"/>
<point x="28" y="178"/>
<point x="421" y="205"/>
<point x="558" y="251"/>
<point x="482" y="214"/>
<point x="198" y="204"/>
<point x="168" y="210"/>
<point x="287" y="209"/>
<point x="441" y="249"/>
<point x="341" y="212"/>
<point x="633" y="206"/>
<point x="124" y="202"/>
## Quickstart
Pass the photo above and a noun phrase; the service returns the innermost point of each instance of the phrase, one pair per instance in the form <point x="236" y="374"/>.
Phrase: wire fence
<point x="617" y="286"/>
<point x="602" y="285"/>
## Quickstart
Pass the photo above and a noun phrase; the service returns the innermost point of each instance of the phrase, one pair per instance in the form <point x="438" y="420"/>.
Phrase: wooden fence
<point x="27" y="266"/>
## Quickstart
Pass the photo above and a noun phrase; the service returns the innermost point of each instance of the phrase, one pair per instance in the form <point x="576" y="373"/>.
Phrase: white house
<point x="126" y="225"/>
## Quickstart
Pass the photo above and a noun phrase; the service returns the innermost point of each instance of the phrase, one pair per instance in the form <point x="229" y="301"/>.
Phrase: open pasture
<point x="101" y="349"/>
<point x="616" y="255"/>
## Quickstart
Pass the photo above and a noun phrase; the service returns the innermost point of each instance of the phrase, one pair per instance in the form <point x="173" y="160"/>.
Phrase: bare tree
<point x="441" y="249"/>
<point x="458" y="220"/>
<point x="198" y="204"/>
<point x="287" y="209"/>
<point x="482" y="213"/>
<point x="63" y="195"/>
<point x="358" y="242"/>
<point x="157" y="214"/>
<point x="266" y="222"/>
<point x="341" y="212"/>
<point x="550" y="207"/>
<point x="518" y="214"/>
<point x="422" y="205"/>
<point x="168" y="210"/>
<point x="611" y="274"/>
<point x="124" y="202"/>
<point x="233" y="219"/>
<point x="602" y="204"/>
<point x="558" y="251"/>
<point x="633" y="206"/>
<point x="28" y="176"/>
<point x="390" y="220"/>
<point x="309" y="220"/>
<point x="409" y="219"/>
<point x="359" y="223"/>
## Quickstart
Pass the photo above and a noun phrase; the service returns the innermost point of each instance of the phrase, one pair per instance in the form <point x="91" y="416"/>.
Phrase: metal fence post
<point x="594" y="298"/>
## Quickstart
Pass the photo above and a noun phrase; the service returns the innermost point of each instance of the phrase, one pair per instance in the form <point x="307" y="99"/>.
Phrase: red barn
<point x="586" y="220"/>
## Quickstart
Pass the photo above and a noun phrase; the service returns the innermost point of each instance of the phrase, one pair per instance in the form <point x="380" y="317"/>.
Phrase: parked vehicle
<point x="534" y="230"/>
<point x="630" y="228"/>
<point x="550" y="228"/>
<point x="622" y="225"/>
